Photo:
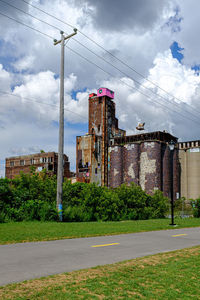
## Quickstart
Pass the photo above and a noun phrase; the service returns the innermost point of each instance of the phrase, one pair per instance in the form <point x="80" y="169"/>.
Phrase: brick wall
<point x="146" y="164"/>
<point x="116" y="166"/>
<point x="47" y="160"/>
<point x="166" y="170"/>
<point x="131" y="154"/>
<point x="150" y="166"/>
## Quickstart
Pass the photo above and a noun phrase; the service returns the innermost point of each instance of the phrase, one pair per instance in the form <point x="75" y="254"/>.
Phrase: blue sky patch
<point x="196" y="68"/>
<point x="74" y="92"/>
<point x="176" y="51"/>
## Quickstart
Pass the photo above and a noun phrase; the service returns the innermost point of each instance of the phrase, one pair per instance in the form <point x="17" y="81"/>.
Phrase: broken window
<point x="50" y="167"/>
<point x="22" y="162"/>
<point x="12" y="163"/>
<point x="80" y="165"/>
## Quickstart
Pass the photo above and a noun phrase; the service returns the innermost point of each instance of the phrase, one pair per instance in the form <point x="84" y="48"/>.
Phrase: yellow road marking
<point x="105" y="245"/>
<point x="179" y="234"/>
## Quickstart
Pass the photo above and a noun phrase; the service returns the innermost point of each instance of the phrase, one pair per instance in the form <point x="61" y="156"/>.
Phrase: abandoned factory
<point x="106" y="156"/>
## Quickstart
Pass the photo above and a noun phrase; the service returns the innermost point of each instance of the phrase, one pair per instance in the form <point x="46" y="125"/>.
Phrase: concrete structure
<point x="49" y="161"/>
<point x="189" y="157"/>
<point x="108" y="157"/>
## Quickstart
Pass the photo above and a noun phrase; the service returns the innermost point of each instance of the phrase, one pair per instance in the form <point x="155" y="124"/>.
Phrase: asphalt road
<point x="23" y="261"/>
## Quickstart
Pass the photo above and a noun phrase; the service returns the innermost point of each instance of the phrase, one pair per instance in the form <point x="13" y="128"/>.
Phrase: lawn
<point x="172" y="275"/>
<point x="42" y="231"/>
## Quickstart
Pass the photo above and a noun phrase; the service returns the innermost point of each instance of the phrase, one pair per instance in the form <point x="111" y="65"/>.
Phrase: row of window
<point x="189" y="144"/>
<point x="32" y="161"/>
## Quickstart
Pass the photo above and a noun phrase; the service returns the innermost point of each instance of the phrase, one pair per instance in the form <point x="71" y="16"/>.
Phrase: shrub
<point x="196" y="208"/>
<point x="159" y="205"/>
<point x="33" y="197"/>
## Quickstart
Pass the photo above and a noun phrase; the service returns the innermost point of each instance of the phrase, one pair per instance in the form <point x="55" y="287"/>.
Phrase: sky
<point x="147" y="52"/>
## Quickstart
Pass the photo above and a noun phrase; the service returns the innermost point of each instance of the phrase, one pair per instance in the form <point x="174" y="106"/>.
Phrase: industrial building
<point x="92" y="149"/>
<point x="107" y="156"/>
<point x="44" y="160"/>
<point x="189" y="158"/>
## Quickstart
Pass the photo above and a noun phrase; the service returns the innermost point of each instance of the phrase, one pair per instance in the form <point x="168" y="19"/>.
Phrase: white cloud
<point x="25" y="63"/>
<point x="142" y="44"/>
<point x="187" y="37"/>
<point x="27" y="123"/>
<point x="172" y="115"/>
<point x="5" y="79"/>
<point x="174" y="77"/>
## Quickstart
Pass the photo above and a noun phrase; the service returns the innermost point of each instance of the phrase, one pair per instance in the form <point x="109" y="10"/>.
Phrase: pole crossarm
<point x="66" y="37"/>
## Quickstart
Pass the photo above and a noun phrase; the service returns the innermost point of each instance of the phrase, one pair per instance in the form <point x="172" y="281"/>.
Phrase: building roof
<point x="161" y="136"/>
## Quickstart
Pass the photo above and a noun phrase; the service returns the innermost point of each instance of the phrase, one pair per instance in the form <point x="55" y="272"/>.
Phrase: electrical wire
<point x="102" y="58"/>
<point x="134" y="88"/>
<point x="21" y="10"/>
<point x="43" y="103"/>
<point x="110" y="53"/>
<point x="45" y="34"/>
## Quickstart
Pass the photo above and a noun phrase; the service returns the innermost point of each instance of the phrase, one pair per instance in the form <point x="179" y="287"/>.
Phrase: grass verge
<point x="44" y="231"/>
<point x="172" y="275"/>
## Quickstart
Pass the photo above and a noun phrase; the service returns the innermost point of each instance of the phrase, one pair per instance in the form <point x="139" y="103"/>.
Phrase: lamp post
<point x="171" y="147"/>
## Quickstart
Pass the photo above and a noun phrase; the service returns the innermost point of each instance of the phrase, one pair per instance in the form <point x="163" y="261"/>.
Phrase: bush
<point x="33" y="197"/>
<point x="196" y="208"/>
<point x="159" y="205"/>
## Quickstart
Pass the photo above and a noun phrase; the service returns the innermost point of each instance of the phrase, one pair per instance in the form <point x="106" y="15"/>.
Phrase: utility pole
<point x="61" y="125"/>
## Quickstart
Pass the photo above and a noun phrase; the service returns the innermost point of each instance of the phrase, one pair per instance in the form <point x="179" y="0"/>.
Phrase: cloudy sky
<point x="152" y="62"/>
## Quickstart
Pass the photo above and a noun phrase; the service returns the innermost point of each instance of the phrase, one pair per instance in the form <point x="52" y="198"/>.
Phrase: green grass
<point x="42" y="231"/>
<point x="173" y="275"/>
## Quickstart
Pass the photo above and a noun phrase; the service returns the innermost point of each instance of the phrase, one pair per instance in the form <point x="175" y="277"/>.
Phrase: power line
<point x="109" y="52"/>
<point x="102" y="58"/>
<point x="43" y="103"/>
<point x="141" y="85"/>
<point x="19" y="9"/>
<point x="150" y="99"/>
<point x="45" y="34"/>
<point x="134" y="88"/>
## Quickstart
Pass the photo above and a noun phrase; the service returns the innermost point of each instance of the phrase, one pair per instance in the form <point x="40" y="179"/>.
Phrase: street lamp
<point x="171" y="147"/>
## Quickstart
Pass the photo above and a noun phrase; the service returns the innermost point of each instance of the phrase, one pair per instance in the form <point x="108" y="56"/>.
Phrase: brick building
<point x="46" y="160"/>
<point x="107" y="156"/>
<point x="92" y="148"/>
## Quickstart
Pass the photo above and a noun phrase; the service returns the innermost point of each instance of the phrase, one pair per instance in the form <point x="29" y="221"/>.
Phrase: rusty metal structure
<point x="140" y="126"/>
<point x="107" y="156"/>
<point x="40" y="161"/>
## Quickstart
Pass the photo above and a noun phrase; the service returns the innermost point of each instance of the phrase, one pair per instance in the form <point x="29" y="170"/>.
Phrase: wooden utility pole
<point x="61" y="124"/>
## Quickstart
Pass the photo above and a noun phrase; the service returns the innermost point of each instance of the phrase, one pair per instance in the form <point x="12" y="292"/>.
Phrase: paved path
<point x="19" y="262"/>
